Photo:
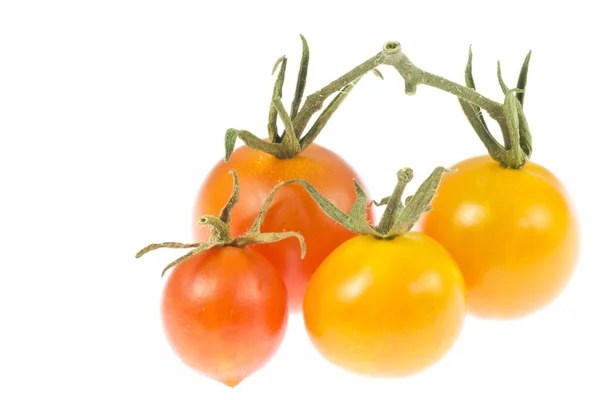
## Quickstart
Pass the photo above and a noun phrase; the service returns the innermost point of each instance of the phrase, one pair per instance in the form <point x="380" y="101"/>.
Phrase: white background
<point x="112" y="113"/>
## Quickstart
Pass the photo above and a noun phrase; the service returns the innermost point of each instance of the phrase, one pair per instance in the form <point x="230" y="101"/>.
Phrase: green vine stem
<point x="221" y="233"/>
<point x="398" y="218"/>
<point x="514" y="153"/>
<point x="517" y="137"/>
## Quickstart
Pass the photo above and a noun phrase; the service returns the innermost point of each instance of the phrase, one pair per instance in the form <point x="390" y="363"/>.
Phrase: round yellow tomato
<point x="513" y="234"/>
<point x="385" y="308"/>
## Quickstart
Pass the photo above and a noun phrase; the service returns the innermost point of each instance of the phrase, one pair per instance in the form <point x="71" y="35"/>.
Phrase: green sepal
<point x="277" y="94"/>
<point x="324" y="117"/>
<point x="470" y="83"/>
<point x="301" y="82"/>
<point x="418" y="203"/>
<point x="522" y="83"/>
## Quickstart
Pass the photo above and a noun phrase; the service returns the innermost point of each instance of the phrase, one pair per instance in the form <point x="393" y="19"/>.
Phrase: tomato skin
<point x="513" y="233"/>
<point x="225" y="312"/>
<point x="385" y="308"/>
<point x="292" y="208"/>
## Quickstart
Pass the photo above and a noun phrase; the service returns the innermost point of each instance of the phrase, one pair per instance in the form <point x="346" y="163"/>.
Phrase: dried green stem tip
<point x="398" y="217"/>
<point x="392" y="47"/>
<point x="221" y="233"/>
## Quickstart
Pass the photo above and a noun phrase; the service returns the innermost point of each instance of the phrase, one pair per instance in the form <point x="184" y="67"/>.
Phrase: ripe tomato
<point x="225" y="312"/>
<point x="292" y="208"/>
<point x="513" y="234"/>
<point x="385" y="308"/>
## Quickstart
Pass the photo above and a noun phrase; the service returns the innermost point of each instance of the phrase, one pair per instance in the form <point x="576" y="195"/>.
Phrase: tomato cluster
<point x="497" y="237"/>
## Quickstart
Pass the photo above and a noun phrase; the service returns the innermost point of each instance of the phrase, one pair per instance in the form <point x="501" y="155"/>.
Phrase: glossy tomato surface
<point x="292" y="208"/>
<point x="225" y="313"/>
<point x="385" y="308"/>
<point x="513" y="234"/>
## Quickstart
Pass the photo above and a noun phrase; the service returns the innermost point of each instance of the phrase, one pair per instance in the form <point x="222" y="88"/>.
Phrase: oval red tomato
<point x="225" y="312"/>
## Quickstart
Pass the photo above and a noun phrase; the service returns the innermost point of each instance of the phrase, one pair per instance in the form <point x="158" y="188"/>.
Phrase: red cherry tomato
<point x="225" y="312"/>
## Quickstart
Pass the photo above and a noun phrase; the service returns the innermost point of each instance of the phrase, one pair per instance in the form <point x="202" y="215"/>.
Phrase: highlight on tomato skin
<point x="386" y="308"/>
<point x="514" y="234"/>
<point x="225" y="313"/>
<point x="291" y="209"/>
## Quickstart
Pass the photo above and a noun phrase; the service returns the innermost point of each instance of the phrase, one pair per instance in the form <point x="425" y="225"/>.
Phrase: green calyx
<point x="293" y="139"/>
<point x="516" y="150"/>
<point x="398" y="218"/>
<point x="517" y="147"/>
<point x="221" y="233"/>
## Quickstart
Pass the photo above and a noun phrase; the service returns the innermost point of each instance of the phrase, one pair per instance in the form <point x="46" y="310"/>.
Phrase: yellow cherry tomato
<point x="385" y="308"/>
<point x="513" y="234"/>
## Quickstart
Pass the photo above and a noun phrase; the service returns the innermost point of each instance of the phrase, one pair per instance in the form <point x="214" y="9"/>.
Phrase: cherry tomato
<point x="385" y="308"/>
<point x="513" y="234"/>
<point x="225" y="312"/>
<point x="292" y="208"/>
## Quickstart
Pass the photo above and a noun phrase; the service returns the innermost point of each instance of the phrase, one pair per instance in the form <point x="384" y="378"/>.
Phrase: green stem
<point x="503" y="114"/>
<point x="414" y="76"/>
<point x="219" y="229"/>
<point x="515" y="156"/>
<point x="315" y="101"/>
<point x="225" y="214"/>
<point x="417" y="204"/>
<point x="471" y="101"/>
<point x="473" y="115"/>
<point x="394" y="202"/>
<point x="322" y="120"/>
<point x="289" y="141"/>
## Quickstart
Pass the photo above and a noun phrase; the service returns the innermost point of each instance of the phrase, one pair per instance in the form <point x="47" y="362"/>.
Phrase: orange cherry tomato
<point x="513" y="234"/>
<point x="385" y="308"/>
<point x="292" y="208"/>
<point x="225" y="312"/>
